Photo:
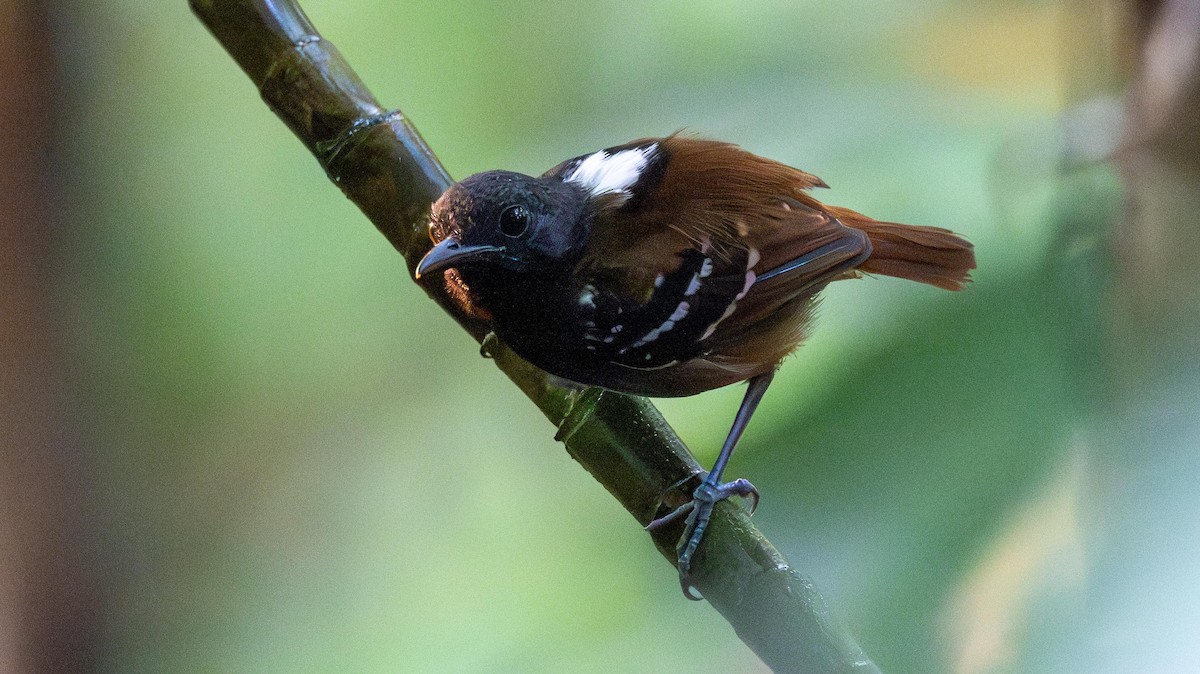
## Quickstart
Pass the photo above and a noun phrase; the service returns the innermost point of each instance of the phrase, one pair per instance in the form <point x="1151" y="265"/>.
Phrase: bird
<point x="666" y="267"/>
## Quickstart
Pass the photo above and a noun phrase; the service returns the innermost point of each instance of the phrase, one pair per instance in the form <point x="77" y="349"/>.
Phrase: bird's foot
<point x="699" y="512"/>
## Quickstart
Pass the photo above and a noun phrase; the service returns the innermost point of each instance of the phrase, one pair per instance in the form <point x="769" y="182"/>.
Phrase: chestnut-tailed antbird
<point x="666" y="267"/>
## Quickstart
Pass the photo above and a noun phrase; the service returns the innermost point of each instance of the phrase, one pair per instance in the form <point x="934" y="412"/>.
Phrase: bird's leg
<point x="711" y="490"/>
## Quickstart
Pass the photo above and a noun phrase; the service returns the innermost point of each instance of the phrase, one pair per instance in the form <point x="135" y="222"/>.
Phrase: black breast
<point x="585" y="330"/>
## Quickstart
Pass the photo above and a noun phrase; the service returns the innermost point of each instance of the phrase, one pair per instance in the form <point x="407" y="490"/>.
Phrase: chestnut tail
<point x="930" y="255"/>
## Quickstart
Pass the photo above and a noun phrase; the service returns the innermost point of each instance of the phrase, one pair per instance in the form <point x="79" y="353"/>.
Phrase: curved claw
<point x="742" y="487"/>
<point x="687" y="586"/>
<point x="488" y="344"/>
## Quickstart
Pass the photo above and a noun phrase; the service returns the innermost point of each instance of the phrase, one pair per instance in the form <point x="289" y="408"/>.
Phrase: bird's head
<point x="505" y="219"/>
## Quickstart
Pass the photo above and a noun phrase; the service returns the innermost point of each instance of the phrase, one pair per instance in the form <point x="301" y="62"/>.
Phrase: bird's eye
<point x="514" y="221"/>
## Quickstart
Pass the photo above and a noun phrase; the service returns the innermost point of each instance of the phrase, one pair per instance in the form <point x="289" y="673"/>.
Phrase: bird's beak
<point x="450" y="253"/>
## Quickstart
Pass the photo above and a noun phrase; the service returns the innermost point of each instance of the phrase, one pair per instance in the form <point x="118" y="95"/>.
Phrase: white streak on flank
<point x="680" y="311"/>
<point x="648" y="369"/>
<point x="750" y="278"/>
<point x="647" y="338"/>
<point x="752" y="258"/>
<point x="693" y="285"/>
<point x="728" y="312"/>
<point x="601" y="173"/>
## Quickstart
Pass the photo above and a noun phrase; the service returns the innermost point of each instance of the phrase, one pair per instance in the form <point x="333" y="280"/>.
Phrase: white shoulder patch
<point x="602" y="173"/>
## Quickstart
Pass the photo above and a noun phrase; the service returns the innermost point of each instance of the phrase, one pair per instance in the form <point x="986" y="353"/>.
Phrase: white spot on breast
<point x="693" y="285"/>
<point x="602" y="173"/>
<point x="658" y="281"/>
<point x="587" y="298"/>
<point x="706" y="268"/>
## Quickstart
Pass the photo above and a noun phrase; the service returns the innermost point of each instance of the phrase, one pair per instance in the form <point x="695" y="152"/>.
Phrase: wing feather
<point x="710" y="206"/>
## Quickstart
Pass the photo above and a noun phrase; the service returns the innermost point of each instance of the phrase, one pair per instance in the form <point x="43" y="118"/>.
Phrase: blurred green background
<point x="289" y="460"/>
